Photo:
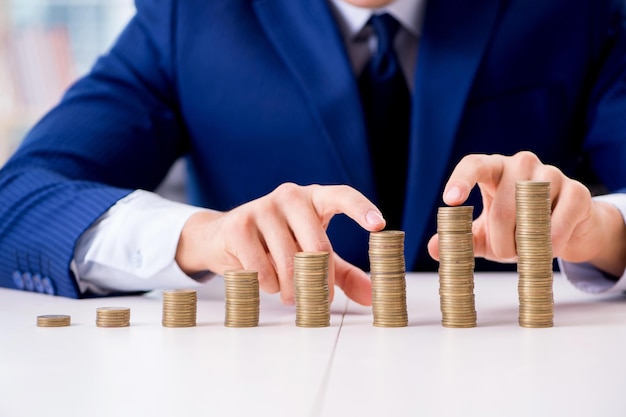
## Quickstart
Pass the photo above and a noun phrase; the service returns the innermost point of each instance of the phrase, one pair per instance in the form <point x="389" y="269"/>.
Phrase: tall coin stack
<point x="456" y="266"/>
<point x="388" y="274"/>
<point x="179" y="308"/>
<point x="534" y="253"/>
<point x="113" y="317"/>
<point x="242" y="298"/>
<point x="311" y="286"/>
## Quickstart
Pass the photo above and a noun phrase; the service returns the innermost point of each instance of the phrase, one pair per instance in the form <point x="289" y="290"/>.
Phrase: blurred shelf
<point x="44" y="46"/>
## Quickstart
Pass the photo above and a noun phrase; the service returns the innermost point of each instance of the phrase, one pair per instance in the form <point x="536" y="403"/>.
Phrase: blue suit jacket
<point x="260" y="92"/>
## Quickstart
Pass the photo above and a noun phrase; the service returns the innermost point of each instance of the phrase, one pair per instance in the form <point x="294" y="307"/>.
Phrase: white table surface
<point x="577" y="368"/>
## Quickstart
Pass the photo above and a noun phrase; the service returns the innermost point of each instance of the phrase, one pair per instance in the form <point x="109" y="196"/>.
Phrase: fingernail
<point x="374" y="218"/>
<point x="453" y="194"/>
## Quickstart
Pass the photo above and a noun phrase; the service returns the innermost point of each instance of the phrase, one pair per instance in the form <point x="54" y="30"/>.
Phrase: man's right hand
<point x="263" y="235"/>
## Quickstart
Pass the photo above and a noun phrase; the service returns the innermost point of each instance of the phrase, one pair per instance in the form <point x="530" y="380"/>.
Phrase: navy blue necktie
<point x="387" y="105"/>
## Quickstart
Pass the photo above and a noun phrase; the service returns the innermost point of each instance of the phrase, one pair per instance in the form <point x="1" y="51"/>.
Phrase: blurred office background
<point x="44" y="46"/>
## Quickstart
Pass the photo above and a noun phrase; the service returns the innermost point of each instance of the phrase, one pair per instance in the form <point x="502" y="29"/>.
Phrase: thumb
<point x="433" y="247"/>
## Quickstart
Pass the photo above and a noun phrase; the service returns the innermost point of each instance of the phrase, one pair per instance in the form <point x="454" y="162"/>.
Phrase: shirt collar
<point x="352" y="19"/>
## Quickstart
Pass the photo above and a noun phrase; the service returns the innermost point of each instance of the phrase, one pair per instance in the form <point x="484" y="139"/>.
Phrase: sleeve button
<point x="17" y="280"/>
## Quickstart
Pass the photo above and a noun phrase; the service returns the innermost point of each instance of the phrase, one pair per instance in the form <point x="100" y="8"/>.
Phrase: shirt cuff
<point x="132" y="247"/>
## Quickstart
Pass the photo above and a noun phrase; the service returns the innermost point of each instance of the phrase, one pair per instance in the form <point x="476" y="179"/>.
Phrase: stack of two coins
<point x="179" y="308"/>
<point x="456" y="266"/>
<point x="310" y="277"/>
<point x="242" y="298"/>
<point x="388" y="274"/>
<point x="534" y="252"/>
<point x="113" y="317"/>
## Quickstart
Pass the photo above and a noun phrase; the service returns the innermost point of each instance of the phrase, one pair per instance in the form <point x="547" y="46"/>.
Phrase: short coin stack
<point x="310" y="277"/>
<point x="53" y="320"/>
<point x="388" y="274"/>
<point x="242" y="298"/>
<point x="113" y="317"/>
<point x="534" y="253"/>
<point x="179" y="308"/>
<point x="456" y="266"/>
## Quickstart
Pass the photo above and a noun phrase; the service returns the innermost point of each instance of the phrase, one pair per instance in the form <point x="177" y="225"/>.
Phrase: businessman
<point x="299" y="119"/>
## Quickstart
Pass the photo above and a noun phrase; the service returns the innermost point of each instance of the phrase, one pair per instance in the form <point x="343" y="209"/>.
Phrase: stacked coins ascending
<point x="456" y="266"/>
<point x="534" y="253"/>
<point x="311" y="285"/>
<point x="113" y="317"/>
<point x="179" y="308"/>
<point x="53" y="320"/>
<point x="242" y="298"/>
<point x="388" y="274"/>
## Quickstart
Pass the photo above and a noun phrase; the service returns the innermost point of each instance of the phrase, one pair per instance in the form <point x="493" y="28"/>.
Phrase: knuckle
<point x="286" y="191"/>
<point x="241" y="224"/>
<point x="552" y="172"/>
<point x="266" y="204"/>
<point x="314" y="187"/>
<point x="579" y="191"/>
<point x="472" y="159"/>
<point x="526" y="160"/>
<point x="556" y="177"/>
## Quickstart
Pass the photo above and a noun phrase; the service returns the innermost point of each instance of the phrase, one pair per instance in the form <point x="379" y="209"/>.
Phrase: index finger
<point x="335" y="199"/>
<point x="330" y="200"/>
<point x="308" y="218"/>
<point x="473" y="169"/>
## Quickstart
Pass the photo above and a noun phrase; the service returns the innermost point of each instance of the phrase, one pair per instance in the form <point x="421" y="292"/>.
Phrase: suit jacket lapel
<point x="454" y="37"/>
<point x="306" y="37"/>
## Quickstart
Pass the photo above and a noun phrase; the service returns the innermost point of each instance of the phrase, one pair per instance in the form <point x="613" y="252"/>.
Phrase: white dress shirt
<point x="133" y="245"/>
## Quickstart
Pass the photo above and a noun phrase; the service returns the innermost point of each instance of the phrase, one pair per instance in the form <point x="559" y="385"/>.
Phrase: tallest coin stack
<point x="534" y="252"/>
